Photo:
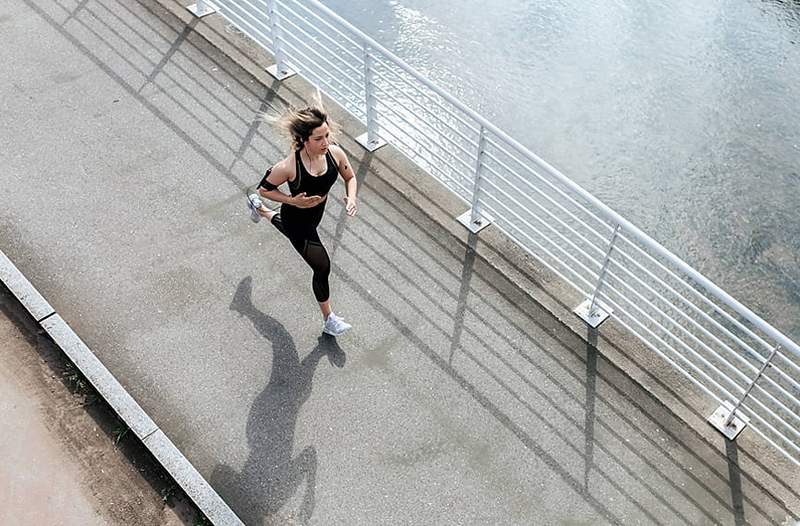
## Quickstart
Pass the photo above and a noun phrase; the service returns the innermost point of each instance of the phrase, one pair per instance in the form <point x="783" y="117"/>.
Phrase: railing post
<point x="370" y="140"/>
<point x="589" y="310"/>
<point x="279" y="70"/>
<point x="202" y="8"/>
<point x="474" y="219"/>
<point x="726" y="418"/>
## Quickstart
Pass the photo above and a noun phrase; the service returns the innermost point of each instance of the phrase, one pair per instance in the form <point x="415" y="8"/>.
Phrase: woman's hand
<point x="350" y="205"/>
<point x="307" y="201"/>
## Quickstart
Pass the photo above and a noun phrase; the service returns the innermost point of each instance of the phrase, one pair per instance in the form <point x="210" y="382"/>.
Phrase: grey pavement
<point x="127" y="146"/>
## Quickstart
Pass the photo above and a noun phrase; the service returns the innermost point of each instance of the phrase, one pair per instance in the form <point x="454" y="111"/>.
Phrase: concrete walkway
<point x="127" y="145"/>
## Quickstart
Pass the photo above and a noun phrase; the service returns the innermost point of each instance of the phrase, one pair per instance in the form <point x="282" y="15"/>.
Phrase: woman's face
<point x="318" y="142"/>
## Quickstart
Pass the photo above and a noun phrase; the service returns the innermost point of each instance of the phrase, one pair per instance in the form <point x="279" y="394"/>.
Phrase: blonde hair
<point x="299" y="123"/>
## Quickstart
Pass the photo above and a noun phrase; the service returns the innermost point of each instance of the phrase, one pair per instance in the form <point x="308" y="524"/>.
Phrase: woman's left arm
<point x="351" y="184"/>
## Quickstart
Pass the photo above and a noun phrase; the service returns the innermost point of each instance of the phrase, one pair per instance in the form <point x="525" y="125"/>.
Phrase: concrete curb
<point x="154" y="439"/>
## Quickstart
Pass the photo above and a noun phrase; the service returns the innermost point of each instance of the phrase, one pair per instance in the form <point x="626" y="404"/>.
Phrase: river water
<point x="683" y="116"/>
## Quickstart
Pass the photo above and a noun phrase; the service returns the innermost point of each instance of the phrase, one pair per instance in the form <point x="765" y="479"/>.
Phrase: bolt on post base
<point x="207" y="8"/>
<point x="480" y="222"/>
<point x="368" y="145"/>
<point x="734" y="427"/>
<point x="280" y="74"/>
<point x="596" y="317"/>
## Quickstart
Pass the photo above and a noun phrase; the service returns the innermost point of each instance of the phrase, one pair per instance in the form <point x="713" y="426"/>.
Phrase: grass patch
<point x="119" y="433"/>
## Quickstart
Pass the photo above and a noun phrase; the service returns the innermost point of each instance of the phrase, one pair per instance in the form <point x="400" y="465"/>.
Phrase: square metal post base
<point x="732" y="430"/>
<point x="208" y="8"/>
<point x="593" y="319"/>
<point x="368" y="145"/>
<point x="481" y="222"/>
<point x="284" y="73"/>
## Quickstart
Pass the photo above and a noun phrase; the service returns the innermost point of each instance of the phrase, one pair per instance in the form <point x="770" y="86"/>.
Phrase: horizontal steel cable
<point x="421" y="144"/>
<point x="571" y="215"/>
<point x="703" y="298"/>
<point x="555" y="188"/>
<point x="542" y="221"/>
<point x="545" y="238"/>
<point x="357" y="69"/>
<point x="470" y="140"/>
<point x="402" y="142"/>
<point x="227" y="10"/>
<point x="415" y="126"/>
<point x="697" y="325"/>
<point x="388" y="66"/>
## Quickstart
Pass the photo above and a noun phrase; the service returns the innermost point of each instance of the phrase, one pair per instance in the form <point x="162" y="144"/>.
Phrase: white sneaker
<point x="335" y="326"/>
<point x="254" y="203"/>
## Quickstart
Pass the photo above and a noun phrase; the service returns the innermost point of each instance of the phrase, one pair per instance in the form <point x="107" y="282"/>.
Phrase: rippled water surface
<point x="683" y="116"/>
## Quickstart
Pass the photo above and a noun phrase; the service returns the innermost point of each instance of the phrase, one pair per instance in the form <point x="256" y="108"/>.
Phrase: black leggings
<point x="307" y="242"/>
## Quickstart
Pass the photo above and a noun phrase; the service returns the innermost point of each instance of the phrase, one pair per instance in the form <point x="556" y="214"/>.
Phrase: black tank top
<point x="311" y="185"/>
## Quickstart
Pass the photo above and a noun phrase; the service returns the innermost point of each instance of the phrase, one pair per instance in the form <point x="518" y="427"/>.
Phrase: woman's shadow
<point x="270" y="476"/>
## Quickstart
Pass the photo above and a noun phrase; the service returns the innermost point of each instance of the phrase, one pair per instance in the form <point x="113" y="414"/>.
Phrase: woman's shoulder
<point x="286" y="167"/>
<point x="338" y="153"/>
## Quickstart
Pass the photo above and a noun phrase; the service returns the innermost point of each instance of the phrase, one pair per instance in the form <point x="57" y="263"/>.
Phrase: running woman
<point x="310" y="171"/>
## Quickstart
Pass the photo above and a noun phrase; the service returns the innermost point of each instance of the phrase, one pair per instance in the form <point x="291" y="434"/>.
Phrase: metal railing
<point x="740" y="361"/>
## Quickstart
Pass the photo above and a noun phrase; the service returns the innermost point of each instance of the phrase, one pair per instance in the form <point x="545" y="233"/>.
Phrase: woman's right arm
<point x="269" y="187"/>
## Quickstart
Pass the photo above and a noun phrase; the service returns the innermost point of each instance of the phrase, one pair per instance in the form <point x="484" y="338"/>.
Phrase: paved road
<point x="126" y="147"/>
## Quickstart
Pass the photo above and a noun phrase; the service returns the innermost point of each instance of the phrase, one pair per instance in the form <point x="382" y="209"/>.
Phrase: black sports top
<point x="311" y="185"/>
<point x="314" y="184"/>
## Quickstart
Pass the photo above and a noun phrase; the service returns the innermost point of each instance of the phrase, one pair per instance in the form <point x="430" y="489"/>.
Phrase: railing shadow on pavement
<point x="270" y="476"/>
<point x="171" y="85"/>
<point x="734" y="475"/>
<point x="513" y="264"/>
<point x="394" y="248"/>
<point x="543" y="374"/>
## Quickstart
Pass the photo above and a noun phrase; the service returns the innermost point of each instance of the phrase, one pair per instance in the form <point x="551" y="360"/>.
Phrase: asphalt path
<point x="126" y="149"/>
